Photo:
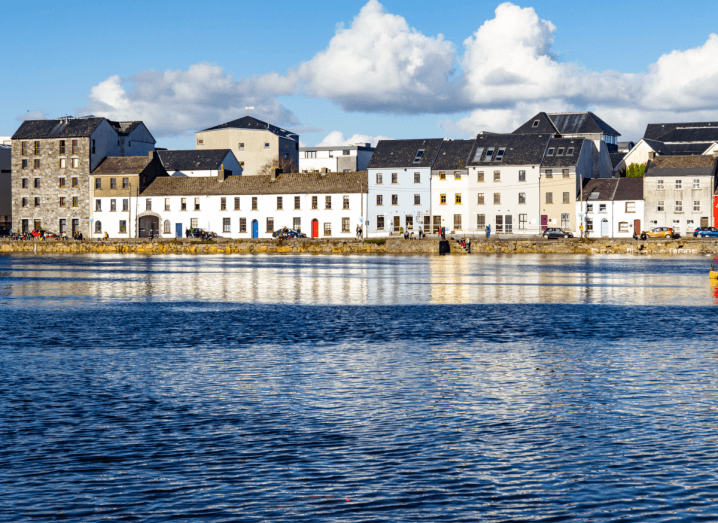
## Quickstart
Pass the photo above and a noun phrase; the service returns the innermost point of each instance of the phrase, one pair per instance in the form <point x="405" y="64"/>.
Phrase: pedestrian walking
<point x="107" y="236"/>
<point x="488" y="231"/>
<point x="443" y="233"/>
<point x="468" y="244"/>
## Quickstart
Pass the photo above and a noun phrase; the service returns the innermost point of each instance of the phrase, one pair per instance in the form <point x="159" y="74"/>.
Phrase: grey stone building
<point x="678" y="192"/>
<point x="5" y="190"/>
<point x="52" y="161"/>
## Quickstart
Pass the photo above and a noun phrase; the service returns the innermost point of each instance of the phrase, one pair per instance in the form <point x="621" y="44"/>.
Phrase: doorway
<point x="255" y="229"/>
<point x="149" y="225"/>
<point x="544" y="222"/>
<point x="315" y="229"/>
<point x="178" y="230"/>
<point x="637" y="226"/>
<point x="75" y="226"/>
<point x="604" y="227"/>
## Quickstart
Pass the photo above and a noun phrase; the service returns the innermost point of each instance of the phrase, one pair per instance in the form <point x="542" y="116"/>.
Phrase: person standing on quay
<point x="488" y="231"/>
<point x="468" y="244"/>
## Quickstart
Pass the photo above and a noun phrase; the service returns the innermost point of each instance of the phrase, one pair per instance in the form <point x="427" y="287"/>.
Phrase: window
<point x="379" y="223"/>
<point x="442" y="175"/>
<point x="480" y="176"/>
<point x="37" y="202"/>
<point x="522" y="176"/>
<point x="24" y="164"/>
<point x="566" y="198"/>
<point x="36" y="163"/>
<point x="630" y="206"/>
<point x="243" y="225"/>
<point x="457" y="175"/>
<point x="24" y="202"/>
<point x="113" y="183"/>
<point x="75" y="182"/>
<point x="395" y="199"/>
<point x="379" y="179"/>
<point x="601" y="207"/>
<point x="535" y="124"/>
<point x="660" y="206"/>
<point x="345" y="152"/>
<point x="622" y="226"/>
<point x="457" y="198"/>
<point x="297" y="223"/>
<point x="37" y="183"/>
<point x="417" y="177"/>
<point x="497" y="198"/>
<point x="315" y="202"/>
<point x="559" y="152"/>
<point x="194" y="222"/>
<point x="62" y="226"/>
<point x="565" y="220"/>
<point x="500" y="154"/>
<point x="62" y="146"/>
<point x="489" y="154"/>
<point x="379" y="199"/>
<point x="345" y="224"/>
<point x="98" y="205"/>
<point x="98" y="183"/>
<point x="549" y="173"/>
<point x="24" y="148"/>
<point x="24" y="183"/>
<point x="75" y="201"/>
<point x="98" y="227"/>
<point x="345" y="202"/>
<point x="550" y="152"/>
<point x="679" y="185"/>
<point x="522" y="221"/>
<point x="442" y="199"/>
<point x="589" y="224"/>
<point x="240" y="147"/>
<point x="480" y="200"/>
<point x="327" y="229"/>
<point x="589" y="207"/>
<point x="25" y="226"/>
<point x="696" y="206"/>
<point x="63" y="163"/>
<point x="480" y="221"/>
<point x="522" y="197"/>
<point x="549" y="197"/>
<point x="37" y="147"/>
<point x="75" y="163"/>
<point x="499" y="223"/>
<point x="123" y="226"/>
<point x="477" y="154"/>
<point x="327" y="202"/>
<point x="62" y="201"/>
<point x="497" y="176"/>
<point x="183" y="204"/>
<point x="569" y="152"/>
<point x="266" y="145"/>
<point x="659" y="185"/>
<point x="196" y="204"/>
<point x="62" y="182"/>
<point x="418" y="157"/>
<point x="417" y="199"/>
<point x="113" y="204"/>
<point x="125" y="204"/>
<point x="74" y="147"/>
<point x="236" y="203"/>
<point x="226" y="225"/>
<point x="310" y="154"/>
<point x="394" y="178"/>
<point x="270" y="224"/>
<point x="697" y="183"/>
<point x="565" y="173"/>
<point x="679" y="205"/>
<point x="148" y="204"/>
<point x="457" y="222"/>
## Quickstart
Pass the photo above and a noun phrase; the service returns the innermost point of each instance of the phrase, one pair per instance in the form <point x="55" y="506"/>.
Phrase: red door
<point x="315" y="229"/>
<point x="637" y="226"/>
<point x="544" y="222"/>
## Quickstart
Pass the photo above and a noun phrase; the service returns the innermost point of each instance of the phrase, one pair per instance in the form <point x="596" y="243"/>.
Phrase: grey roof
<point x="116" y="165"/>
<point x="69" y="128"/>
<point x="682" y="166"/>
<point x="616" y="158"/>
<point x="520" y="149"/>
<point x="539" y="124"/>
<point x="613" y="189"/>
<point x="682" y="132"/>
<point x="453" y="155"/>
<point x="358" y="147"/>
<point x="193" y="159"/>
<point x="659" y="147"/>
<point x="562" y="145"/>
<point x="402" y="153"/>
<point x="289" y="183"/>
<point x="581" y="123"/>
<point x="689" y="148"/>
<point x="249" y="122"/>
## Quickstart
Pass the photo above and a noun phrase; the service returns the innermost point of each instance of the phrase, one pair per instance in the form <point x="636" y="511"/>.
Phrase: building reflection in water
<point x="360" y="280"/>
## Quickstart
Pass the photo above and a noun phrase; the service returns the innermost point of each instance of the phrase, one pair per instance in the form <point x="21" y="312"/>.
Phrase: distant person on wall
<point x="580" y="228"/>
<point x="443" y="233"/>
<point x="468" y="244"/>
<point x="358" y="231"/>
<point x="107" y="236"/>
<point x="488" y="231"/>
<point x="186" y="232"/>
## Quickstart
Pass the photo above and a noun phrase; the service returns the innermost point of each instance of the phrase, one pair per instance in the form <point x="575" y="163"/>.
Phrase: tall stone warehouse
<point x="52" y="161"/>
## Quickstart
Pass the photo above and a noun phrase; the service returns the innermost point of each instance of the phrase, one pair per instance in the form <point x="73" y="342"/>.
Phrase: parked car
<point x="658" y="232"/>
<point x="556" y="233"/>
<point x="285" y="234"/>
<point x="706" y="232"/>
<point x="197" y="233"/>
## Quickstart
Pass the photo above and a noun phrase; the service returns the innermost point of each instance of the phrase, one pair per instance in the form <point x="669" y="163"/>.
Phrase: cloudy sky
<point x="351" y="71"/>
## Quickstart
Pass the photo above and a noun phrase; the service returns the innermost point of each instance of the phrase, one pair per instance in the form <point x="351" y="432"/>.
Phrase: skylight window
<point x="569" y="152"/>
<point x="489" y="154"/>
<point x="550" y="152"/>
<point x="536" y="123"/>
<point x="419" y="155"/>
<point x="593" y="196"/>
<point x="559" y="152"/>
<point x="500" y="154"/>
<point x="479" y="152"/>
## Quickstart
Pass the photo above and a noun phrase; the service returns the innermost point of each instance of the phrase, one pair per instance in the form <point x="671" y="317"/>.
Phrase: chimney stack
<point x="223" y="174"/>
<point x="324" y="171"/>
<point x="651" y="155"/>
<point x="275" y="174"/>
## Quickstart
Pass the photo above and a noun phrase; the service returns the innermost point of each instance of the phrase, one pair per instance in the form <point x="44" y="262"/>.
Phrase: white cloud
<point x="37" y="114"/>
<point x="337" y="138"/>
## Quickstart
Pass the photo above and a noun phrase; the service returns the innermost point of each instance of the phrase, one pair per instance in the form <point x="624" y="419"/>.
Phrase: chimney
<point x="275" y="175"/>
<point x="324" y="172"/>
<point x="223" y="174"/>
<point x="651" y="155"/>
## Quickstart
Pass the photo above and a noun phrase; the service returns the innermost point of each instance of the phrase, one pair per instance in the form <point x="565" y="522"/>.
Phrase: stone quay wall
<point x="390" y="246"/>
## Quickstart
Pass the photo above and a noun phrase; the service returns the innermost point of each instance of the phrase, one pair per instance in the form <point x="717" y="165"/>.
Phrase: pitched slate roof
<point x="123" y="165"/>
<point x="616" y="158"/>
<point x="402" y="153"/>
<point x="563" y="145"/>
<point x="453" y="155"/>
<point x="193" y="160"/>
<point x="689" y="148"/>
<point x="249" y="122"/>
<point x="581" y="123"/>
<point x="539" y="124"/>
<point x="60" y="128"/>
<point x="290" y="183"/>
<point x="520" y="149"/>
<point x="659" y="147"/>
<point x="682" y="132"/>
<point x="613" y="189"/>
<point x="682" y="166"/>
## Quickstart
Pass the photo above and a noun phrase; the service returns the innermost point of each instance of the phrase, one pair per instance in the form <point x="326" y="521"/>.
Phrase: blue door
<point x="178" y="230"/>
<point x="255" y="229"/>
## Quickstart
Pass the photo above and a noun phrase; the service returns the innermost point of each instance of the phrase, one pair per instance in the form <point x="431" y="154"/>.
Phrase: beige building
<point x="255" y="144"/>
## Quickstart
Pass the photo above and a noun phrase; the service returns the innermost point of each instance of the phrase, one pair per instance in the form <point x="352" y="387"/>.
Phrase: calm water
<point x="329" y="388"/>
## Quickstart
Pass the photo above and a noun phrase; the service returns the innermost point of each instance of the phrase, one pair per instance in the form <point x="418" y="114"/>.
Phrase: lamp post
<point x="361" y="210"/>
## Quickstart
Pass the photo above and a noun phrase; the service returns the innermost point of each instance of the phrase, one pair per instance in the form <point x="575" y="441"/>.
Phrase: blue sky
<point x="181" y="66"/>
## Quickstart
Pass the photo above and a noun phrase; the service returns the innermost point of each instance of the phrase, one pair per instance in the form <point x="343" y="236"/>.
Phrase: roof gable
<point x="193" y="159"/>
<point x="454" y="154"/>
<point x="251" y="123"/>
<point x="539" y="124"/>
<point x="581" y="123"/>
<point x="405" y="153"/>
<point x="518" y="149"/>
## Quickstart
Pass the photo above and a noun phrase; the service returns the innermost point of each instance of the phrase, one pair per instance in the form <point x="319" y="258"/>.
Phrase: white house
<point x="337" y="158"/>
<point x="201" y="162"/>
<point x="612" y="207"/>
<point x="400" y="186"/>
<point x="321" y="205"/>
<point x="450" y="202"/>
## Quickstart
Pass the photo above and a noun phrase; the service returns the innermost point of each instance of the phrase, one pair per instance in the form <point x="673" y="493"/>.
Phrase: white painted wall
<point x="404" y="189"/>
<point x="450" y="187"/>
<point x="615" y="214"/>
<point x="230" y="163"/>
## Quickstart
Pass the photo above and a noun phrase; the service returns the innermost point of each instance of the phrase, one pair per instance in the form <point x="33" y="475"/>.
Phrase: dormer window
<point x="500" y="154"/>
<point x="489" y="154"/>
<point x="593" y="196"/>
<point x="559" y="152"/>
<point x="419" y="155"/>
<point x="536" y="123"/>
<point x="569" y="152"/>
<point x="479" y="152"/>
<point x="550" y="152"/>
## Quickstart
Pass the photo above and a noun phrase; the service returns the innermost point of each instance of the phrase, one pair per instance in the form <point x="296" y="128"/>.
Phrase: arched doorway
<point x="315" y="228"/>
<point x="604" y="227"/>
<point x="149" y="225"/>
<point x="255" y="229"/>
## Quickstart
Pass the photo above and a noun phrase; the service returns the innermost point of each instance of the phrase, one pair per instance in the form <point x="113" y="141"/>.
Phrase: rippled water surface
<point x="332" y="388"/>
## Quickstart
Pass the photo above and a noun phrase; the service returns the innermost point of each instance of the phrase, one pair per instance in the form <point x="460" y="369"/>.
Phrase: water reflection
<point x="359" y="280"/>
